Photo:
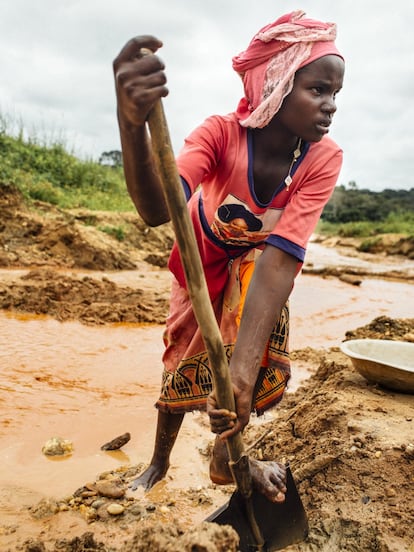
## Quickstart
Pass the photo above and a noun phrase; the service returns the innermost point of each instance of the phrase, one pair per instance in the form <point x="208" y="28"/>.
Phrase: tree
<point x="111" y="158"/>
<point x="351" y="204"/>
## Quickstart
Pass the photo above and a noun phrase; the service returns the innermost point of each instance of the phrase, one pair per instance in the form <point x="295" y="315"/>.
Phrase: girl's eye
<point x="317" y="90"/>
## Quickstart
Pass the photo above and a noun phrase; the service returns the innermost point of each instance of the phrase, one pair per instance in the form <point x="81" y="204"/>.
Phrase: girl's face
<point x="308" y="110"/>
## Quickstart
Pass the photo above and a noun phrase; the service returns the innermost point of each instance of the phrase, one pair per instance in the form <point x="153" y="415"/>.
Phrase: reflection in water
<point x="56" y="458"/>
<point x="120" y="456"/>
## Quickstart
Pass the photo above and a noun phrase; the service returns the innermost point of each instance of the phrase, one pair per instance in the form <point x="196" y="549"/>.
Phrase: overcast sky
<point x="56" y="71"/>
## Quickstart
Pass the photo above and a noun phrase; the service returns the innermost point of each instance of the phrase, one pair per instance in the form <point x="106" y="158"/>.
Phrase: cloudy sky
<point x="56" y="71"/>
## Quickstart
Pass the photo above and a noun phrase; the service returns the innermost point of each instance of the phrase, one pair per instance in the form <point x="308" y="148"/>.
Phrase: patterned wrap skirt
<point x="187" y="379"/>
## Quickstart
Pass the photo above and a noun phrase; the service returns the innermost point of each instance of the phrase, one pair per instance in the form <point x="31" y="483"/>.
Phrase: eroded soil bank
<point x="59" y="251"/>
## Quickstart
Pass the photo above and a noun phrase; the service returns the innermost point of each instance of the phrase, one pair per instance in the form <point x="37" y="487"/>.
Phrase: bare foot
<point x="269" y="478"/>
<point x="149" y="477"/>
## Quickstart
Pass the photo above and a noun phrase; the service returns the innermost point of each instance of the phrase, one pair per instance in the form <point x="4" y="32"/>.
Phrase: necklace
<point x="296" y="155"/>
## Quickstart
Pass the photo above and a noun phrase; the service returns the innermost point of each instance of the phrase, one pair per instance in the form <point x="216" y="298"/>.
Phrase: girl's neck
<point x="271" y="141"/>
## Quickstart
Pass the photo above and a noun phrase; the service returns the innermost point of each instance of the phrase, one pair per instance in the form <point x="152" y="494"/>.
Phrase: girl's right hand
<point x="224" y="422"/>
<point x="139" y="80"/>
<point x="221" y="419"/>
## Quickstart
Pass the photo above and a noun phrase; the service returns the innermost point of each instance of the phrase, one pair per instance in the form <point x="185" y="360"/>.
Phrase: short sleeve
<point x="305" y="206"/>
<point x="200" y="154"/>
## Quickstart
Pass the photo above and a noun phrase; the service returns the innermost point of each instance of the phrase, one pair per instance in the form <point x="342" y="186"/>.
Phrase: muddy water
<point x="320" y="256"/>
<point x="91" y="384"/>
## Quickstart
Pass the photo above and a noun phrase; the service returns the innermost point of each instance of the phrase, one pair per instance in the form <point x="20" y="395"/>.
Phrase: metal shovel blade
<point x="281" y="524"/>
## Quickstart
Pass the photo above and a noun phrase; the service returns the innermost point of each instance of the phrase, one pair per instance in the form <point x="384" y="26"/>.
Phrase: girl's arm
<point x="269" y="289"/>
<point x="140" y="82"/>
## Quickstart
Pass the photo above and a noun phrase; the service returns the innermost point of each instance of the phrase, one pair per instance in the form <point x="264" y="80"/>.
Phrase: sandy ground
<point x="349" y="442"/>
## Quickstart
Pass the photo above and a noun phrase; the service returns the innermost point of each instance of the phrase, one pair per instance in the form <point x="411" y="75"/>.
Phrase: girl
<point x="256" y="181"/>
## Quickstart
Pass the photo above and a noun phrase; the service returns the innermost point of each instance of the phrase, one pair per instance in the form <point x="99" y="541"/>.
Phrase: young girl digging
<point x="257" y="181"/>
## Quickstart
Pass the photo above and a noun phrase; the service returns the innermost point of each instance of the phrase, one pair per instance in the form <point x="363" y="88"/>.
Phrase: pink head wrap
<point x="269" y="64"/>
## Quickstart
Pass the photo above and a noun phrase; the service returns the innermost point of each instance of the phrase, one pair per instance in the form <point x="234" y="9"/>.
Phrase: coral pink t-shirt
<point x="216" y="166"/>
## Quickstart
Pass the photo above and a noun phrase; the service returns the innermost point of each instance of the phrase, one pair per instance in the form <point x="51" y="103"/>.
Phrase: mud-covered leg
<point x="168" y="426"/>
<point x="219" y="464"/>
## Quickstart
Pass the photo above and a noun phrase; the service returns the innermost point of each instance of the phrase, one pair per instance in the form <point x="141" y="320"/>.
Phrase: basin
<point x="388" y="363"/>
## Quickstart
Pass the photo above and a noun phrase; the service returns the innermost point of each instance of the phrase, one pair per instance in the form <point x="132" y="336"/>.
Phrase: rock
<point x="88" y="513"/>
<point x="137" y="510"/>
<point x="350" y="279"/>
<point x="96" y="504"/>
<point x="164" y="509"/>
<point x="117" y="443"/>
<point x="57" y="446"/>
<point x="46" y="508"/>
<point x="88" y="494"/>
<point x="115" y="509"/>
<point x="34" y="546"/>
<point x="409" y="450"/>
<point x="109" y="489"/>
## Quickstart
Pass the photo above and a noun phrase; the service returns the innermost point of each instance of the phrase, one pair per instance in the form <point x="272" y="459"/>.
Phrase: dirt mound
<point x="86" y="299"/>
<point x="40" y="234"/>
<point x="158" y="538"/>
<point x="78" y="544"/>
<point x="350" y="446"/>
<point x="384" y="327"/>
<point x="50" y="240"/>
<point x="385" y="244"/>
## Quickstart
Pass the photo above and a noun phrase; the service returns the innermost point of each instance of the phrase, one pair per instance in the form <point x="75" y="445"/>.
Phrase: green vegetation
<point x="363" y="213"/>
<point x="48" y="172"/>
<point x="116" y="232"/>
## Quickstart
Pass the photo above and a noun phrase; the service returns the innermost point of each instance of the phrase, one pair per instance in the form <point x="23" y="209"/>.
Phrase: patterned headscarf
<point x="269" y="64"/>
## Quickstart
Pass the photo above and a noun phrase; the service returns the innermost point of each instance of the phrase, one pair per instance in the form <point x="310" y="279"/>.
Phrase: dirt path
<point x="349" y="442"/>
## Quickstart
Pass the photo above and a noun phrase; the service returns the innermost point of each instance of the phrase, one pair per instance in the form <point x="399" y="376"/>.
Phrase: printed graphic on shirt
<point x="235" y="224"/>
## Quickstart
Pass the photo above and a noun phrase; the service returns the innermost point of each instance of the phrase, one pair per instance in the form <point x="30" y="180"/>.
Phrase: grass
<point x="395" y="223"/>
<point x="117" y="232"/>
<point x="48" y="172"/>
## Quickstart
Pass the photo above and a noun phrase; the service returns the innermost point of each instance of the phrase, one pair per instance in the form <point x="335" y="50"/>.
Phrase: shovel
<point x="262" y="525"/>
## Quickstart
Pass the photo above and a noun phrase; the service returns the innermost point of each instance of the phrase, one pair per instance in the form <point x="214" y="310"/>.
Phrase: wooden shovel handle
<point x="193" y="268"/>
<point x="200" y="299"/>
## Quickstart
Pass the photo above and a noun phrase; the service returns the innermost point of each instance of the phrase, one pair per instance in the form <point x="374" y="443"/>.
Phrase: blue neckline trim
<point x="305" y="148"/>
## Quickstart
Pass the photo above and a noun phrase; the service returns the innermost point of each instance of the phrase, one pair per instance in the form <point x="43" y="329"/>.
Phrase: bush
<point x="370" y="245"/>
<point x="116" y="232"/>
<point x="395" y="223"/>
<point x="44" y="191"/>
<point x="50" y="173"/>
